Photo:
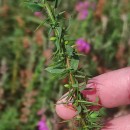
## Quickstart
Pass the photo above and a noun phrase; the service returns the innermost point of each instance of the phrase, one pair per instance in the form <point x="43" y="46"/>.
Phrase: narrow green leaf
<point x="75" y="85"/>
<point x="33" y="6"/>
<point x="42" y="23"/>
<point x="49" y="32"/>
<point x="67" y="86"/>
<point x="69" y="50"/>
<point x="102" y="111"/>
<point x="59" y="32"/>
<point x="55" y="70"/>
<point x="94" y="114"/>
<point x="56" y="3"/>
<point x="57" y="43"/>
<point x="60" y="76"/>
<point x="80" y="76"/>
<point x="74" y="62"/>
<point x="79" y="109"/>
<point x="52" y="38"/>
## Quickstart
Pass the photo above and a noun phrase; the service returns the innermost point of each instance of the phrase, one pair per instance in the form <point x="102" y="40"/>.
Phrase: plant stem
<point x="71" y="76"/>
<point x="68" y="66"/>
<point x="74" y="92"/>
<point x="51" y="16"/>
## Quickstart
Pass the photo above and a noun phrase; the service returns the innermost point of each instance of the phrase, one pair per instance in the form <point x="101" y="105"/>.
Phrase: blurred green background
<point x="27" y="92"/>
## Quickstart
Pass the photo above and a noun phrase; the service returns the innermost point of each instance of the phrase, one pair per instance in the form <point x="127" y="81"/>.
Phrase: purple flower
<point x="86" y="4"/>
<point x="37" y="14"/>
<point x="42" y="125"/>
<point x="81" y="6"/>
<point x="82" y="15"/>
<point x="83" y="46"/>
<point x="82" y="9"/>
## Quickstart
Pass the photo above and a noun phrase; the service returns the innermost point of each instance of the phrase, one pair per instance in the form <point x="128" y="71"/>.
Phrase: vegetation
<point x="28" y="93"/>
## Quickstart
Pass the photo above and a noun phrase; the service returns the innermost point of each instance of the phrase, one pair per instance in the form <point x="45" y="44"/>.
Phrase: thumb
<point x="65" y="111"/>
<point x="120" y="123"/>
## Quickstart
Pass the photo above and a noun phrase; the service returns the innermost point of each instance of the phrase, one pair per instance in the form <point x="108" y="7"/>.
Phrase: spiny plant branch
<point x="75" y="93"/>
<point x="65" y="64"/>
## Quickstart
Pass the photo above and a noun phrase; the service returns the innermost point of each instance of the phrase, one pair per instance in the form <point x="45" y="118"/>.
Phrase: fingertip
<point x="112" y="88"/>
<point x="65" y="111"/>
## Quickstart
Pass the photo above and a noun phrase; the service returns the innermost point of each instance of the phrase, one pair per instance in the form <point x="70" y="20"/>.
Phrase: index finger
<point x="112" y="89"/>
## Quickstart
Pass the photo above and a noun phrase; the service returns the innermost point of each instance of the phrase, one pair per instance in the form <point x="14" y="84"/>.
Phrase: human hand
<point x="113" y="90"/>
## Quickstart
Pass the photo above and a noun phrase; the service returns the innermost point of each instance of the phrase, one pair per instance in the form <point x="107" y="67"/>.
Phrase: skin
<point x="113" y="90"/>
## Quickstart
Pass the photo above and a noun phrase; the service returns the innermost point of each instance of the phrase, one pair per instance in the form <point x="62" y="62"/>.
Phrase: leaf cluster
<point x="66" y="64"/>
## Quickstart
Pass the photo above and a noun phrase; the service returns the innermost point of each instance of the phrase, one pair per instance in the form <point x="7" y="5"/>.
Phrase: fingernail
<point x="91" y="93"/>
<point x="90" y="90"/>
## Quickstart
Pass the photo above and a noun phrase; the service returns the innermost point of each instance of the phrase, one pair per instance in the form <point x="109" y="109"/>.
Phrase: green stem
<point x="75" y="93"/>
<point x="51" y="16"/>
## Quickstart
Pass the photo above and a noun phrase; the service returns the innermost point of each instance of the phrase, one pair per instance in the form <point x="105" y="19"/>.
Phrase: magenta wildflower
<point x="81" y="6"/>
<point x="82" y="9"/>
<point x="38" y="14"/>
<point x="82" y="15"/>
<point x="83" y="46"/>
<point x="86" y="4"/>
<point x="42" y="125"/>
